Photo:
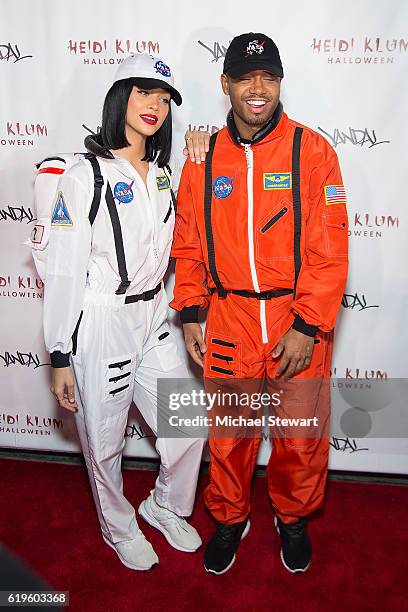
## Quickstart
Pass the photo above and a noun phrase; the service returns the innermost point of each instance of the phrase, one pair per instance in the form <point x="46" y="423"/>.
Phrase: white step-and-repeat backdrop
<point x="345" y="76"/>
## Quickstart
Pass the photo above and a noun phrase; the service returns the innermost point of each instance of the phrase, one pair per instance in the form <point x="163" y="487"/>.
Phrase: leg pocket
<point x="223" y="356"/>
<point x="119" y="377"/>
<point x="165" y="351"/>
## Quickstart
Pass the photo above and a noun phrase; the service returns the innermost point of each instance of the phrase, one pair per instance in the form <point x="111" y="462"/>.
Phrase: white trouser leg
<point x="103" y="408"/>
<point x="180" y="457"/>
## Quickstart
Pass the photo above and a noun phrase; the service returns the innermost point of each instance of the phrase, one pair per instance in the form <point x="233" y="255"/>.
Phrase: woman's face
<point x="147" y="110"/>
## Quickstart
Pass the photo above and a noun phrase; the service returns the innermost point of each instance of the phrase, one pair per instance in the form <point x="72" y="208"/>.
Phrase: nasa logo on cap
<point x="162" y="69"/>
<point x="255" y="47"/>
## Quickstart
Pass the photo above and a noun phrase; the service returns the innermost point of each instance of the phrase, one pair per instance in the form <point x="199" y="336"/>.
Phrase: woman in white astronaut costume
<point x="105" y="308"/>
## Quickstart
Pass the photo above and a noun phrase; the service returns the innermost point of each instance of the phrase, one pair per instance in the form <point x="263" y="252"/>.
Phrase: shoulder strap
<point x="117" y="234"/>
<point x="167" y="171"/>
<point x="297" y="204"/>
<point x="207" y="217"/>
<point x="98" y="184"/>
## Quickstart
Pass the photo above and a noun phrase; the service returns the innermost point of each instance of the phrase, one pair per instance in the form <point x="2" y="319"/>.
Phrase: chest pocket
<point x="274" y="233"/>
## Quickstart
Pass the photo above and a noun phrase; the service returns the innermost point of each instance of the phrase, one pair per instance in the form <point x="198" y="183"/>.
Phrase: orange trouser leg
<point x="233" y="363"/>
<point x="297" y="469"/>
<point x="231" y="468"/>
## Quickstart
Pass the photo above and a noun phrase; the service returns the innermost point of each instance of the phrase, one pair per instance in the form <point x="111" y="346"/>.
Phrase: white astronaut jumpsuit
<point x="121" y="348"/>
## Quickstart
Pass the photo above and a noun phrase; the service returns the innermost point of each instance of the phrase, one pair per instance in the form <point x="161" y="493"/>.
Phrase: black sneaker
<point x="296" y="551"/>
<point x="220" y="552"/>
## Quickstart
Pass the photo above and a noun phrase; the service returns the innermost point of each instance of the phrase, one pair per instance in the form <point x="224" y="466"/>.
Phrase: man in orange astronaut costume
<point x="261" y="238"/>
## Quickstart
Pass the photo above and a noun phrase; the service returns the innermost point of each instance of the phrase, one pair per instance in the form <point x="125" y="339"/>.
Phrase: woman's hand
<point x="197" y="143"/>
<point x="62" y="386"/>
<point x="195" y="345"/>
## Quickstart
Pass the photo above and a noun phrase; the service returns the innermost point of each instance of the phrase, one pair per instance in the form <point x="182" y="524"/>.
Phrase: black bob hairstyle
<point x="113" y="124"/>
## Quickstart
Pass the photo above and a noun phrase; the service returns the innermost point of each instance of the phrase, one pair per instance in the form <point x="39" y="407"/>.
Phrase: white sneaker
<point x="137" y="554"/>
<point x="175" y="529"/>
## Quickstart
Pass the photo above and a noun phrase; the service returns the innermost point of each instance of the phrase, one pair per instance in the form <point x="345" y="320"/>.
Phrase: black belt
<point x="262" y="295"/>
<point x="146" y="296"/>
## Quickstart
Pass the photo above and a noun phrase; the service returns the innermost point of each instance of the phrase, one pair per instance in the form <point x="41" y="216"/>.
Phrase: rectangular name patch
<point x="277" y="180"/>
<point x="335" y="194"/>
<point x="162" y="182"/>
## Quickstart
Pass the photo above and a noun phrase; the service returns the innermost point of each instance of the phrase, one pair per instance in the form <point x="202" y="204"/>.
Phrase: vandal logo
<point x="97" y="52"/>
<point x="364" y="50"/>
<point x="368" y="225"/>
<point x="217" y="50"/>
<point x="18" y="214"/>
<point x="29" y="360"/>
<point x="352" y="301"/>
<point x="354" y="137"/>
<point x="134" y="431"/>
<point x="11" y="53"/>
<point x="21" y="134"/>
<point x="346" y="445"/>
<point x="31" y="424"/>
<point x="23" y="287"/>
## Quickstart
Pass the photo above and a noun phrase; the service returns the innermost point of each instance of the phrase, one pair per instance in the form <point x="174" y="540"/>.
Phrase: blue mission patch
<point x="162" y="182"/>
<point x="60" y="214"/>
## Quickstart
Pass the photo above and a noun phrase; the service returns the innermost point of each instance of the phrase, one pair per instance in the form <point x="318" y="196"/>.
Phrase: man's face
<point x="254" y="97"/>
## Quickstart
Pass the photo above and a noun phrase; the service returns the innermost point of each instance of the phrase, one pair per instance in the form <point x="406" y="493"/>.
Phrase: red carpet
<point x="360" y="549"/>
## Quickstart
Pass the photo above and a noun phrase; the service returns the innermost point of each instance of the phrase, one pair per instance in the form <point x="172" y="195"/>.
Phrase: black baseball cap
<point x="252" y="51"/>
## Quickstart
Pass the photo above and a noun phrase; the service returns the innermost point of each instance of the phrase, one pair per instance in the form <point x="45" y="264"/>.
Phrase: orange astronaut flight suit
<point x="261" y="237"/>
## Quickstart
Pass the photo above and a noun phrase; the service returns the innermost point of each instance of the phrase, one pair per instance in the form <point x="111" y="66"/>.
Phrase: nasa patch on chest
<point x="223" y="186"/>
<point x="162" y="182"/>
<point x="122" y="192"/>
<point x="277" y="180"/>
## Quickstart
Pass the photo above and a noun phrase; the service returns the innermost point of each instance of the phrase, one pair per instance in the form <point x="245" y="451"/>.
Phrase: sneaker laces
<point x="295" y="530"/>
<point x="227" y="533"/>
<point x="167" y="517"/>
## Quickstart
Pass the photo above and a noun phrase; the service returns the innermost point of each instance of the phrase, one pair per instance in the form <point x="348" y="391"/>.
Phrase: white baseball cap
<point x="151" y="72"/>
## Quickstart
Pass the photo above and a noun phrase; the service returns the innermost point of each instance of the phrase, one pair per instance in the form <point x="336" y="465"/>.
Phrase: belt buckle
<point x="263" y="296"/>
<point x="145" y="296"/>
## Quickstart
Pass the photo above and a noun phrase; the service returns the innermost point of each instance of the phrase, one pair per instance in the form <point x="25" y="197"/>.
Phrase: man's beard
<point x="255" y="120"/>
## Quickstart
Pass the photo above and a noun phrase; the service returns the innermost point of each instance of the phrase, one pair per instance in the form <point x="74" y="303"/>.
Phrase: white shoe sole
<point x="129" y="565"/>
<point x="244" y="534"/>
<point x="152" y="521"/>
<point x="292" y="571"/>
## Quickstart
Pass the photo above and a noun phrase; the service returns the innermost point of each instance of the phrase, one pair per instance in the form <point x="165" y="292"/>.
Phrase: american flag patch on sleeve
<point x="335" y="194"/>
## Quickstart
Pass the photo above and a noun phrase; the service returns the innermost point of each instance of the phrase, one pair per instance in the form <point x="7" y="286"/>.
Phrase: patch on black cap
<point x="252" y="51"/>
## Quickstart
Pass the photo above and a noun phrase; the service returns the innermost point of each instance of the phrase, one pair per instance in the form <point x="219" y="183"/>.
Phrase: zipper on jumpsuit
<point x="250" y="188"/>
<point x="152" y="216"/>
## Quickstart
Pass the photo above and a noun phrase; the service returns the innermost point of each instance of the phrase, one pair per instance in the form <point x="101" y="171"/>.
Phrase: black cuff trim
<point x="301" y="326"/>
<point x="60" y="360"/>
<point x="189" y="314"/>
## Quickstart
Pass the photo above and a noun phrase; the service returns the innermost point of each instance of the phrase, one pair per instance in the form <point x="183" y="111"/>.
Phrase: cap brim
<point x="237" y="71"/>
<point x="149" y="83"/>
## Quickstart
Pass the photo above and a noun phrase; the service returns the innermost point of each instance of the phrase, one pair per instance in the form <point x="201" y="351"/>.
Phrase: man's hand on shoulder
<point x="197" y="144"/>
